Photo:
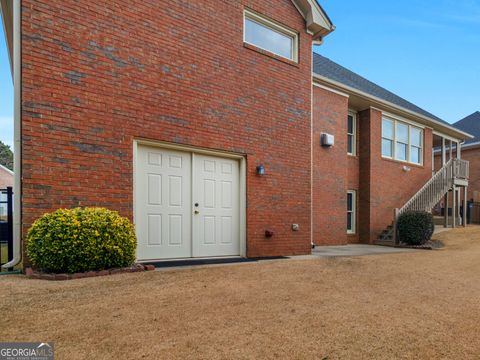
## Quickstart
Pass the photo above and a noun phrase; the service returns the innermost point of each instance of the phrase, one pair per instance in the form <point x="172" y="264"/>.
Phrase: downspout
<point x="17" y="145"/>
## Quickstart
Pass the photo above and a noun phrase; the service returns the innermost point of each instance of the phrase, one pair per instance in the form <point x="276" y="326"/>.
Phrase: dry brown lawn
<point x="421" y="305"/>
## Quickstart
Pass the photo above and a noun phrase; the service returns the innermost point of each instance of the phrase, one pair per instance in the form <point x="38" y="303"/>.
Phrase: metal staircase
<point x="454" y="172"/>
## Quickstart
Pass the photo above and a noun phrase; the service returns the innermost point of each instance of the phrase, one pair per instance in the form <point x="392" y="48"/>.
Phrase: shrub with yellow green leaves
<point x="81" y="239"/>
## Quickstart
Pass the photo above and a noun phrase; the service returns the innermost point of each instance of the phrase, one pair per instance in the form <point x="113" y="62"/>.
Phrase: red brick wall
<point x="96" y="77"/>
<point x="384" y="185"/>
<point x="330" y="169"/>
<point x="381" y="184"/>
<point x="473" y="156"/>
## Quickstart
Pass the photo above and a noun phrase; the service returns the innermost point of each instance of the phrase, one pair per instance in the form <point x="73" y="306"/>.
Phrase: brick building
<point x="194" y="119"/>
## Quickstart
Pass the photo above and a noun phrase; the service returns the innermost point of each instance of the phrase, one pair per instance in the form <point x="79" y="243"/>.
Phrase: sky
<point x="427" y="51"/>
<point x="6" y="94"/>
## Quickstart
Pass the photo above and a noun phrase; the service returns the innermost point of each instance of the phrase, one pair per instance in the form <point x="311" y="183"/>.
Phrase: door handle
<point x="196" y="212"/>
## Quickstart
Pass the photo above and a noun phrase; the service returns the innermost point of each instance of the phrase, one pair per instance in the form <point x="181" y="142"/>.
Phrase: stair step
<point x="385" y="242"/>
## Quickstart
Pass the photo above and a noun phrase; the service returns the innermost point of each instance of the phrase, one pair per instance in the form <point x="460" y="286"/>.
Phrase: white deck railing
<point x="432" y="192"/>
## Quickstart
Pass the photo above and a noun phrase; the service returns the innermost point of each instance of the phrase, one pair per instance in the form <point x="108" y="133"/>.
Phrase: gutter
<point x="17" y="145"/>
<point x="360" y="93"/>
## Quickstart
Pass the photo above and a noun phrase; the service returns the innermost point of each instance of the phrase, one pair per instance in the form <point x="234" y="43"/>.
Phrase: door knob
<point x="196" y="212"/>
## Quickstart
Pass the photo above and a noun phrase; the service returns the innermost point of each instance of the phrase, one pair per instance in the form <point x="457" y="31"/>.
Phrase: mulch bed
<point x="33" y="274"/>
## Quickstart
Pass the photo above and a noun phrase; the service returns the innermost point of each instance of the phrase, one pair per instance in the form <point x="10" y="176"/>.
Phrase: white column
<point x="444" y="154"/>
<point x="445" y="211"/>
<point x="454" y="206"/>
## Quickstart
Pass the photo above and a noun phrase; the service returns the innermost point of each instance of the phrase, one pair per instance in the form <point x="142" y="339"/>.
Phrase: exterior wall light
<point x="260" y="170"/>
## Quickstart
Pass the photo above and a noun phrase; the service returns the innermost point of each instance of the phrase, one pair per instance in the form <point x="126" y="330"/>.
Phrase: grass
<point x="420" y="305"/>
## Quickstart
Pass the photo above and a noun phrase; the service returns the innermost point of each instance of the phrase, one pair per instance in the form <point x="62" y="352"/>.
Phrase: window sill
<point x="270" y="54"/>
<point x="420" y="166"/>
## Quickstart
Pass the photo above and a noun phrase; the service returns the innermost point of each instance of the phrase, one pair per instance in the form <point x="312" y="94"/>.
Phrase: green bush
<point x="415" y="227"/>
<point x="81" y="239"/>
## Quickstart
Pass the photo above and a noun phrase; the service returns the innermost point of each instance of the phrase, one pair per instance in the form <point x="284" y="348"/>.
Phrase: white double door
<point x="186" y="205"/>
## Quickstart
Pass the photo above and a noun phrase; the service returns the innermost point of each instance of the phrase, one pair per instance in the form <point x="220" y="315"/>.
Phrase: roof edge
<point x="6" y="169"/>
<point x="348" y="89"/>
<point x="318" y="22"/>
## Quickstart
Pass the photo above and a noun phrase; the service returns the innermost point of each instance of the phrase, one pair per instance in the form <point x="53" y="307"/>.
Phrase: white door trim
<point x="195" y="150"/>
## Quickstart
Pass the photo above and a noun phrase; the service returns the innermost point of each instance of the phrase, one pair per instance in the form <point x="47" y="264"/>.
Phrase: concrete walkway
<point x="356" y="250"/>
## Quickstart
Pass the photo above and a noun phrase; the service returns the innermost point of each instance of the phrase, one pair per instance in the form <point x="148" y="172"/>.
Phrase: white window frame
<point x="409" y="144"/>
<point x="274" y="26"/>
<point x="353" y="114"/>
<point x="353" y="211"/>
<point x="392" y="148"/>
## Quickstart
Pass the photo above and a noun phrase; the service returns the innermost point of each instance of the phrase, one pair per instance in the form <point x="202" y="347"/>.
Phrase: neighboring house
<point x="194" y="119"/>
<point x="6" y="177"/>
<point x="471" y="152"/>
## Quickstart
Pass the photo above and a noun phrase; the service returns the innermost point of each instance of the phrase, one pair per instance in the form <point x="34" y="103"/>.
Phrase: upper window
<point x="270" y="36"/>
<point x="401" y="141"/>
<point x="351" y="130"/>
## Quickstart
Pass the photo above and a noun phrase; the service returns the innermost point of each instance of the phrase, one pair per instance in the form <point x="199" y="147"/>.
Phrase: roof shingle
<point x="471" y="125"/>
<point x="333" y="71"/>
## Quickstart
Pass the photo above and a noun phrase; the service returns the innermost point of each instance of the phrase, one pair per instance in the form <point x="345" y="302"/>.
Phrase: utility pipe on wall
<point x="17" y="146"/>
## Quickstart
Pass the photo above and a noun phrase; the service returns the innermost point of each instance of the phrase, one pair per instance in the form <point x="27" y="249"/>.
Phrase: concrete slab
<point x="356" y="250"/>
<point x="440" y="228"/>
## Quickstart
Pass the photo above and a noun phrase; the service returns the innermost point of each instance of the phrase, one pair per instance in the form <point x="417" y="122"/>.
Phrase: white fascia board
<point x="317" y="21"/>
<point x="432" y="122"/>
<point x="331" y="90"/>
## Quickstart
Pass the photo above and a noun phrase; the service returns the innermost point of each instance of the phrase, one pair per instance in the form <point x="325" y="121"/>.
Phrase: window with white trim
<point x="351" y="211"/>
<point x="351" y="131"/>
<point x="402" y="141"/>
<point x="269" y="35"/>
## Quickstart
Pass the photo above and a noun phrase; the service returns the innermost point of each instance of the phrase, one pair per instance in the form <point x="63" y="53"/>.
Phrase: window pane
<point x="415" y="155"/>
<point x="349" y="201"/>
<point x="387" y="129"/>
<point x="401" y="153"/>
<point x="349" y="221"/>
<point x="268" y="39"/>
<point x="416" y="136"/>
<point x="350" y="144"/>
<point x="350" y="124"/>
<point x="387" y="147"/>
<point x="402" y="133"/>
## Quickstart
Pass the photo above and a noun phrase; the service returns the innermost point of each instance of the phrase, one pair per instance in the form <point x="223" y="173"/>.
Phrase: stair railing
<point x="433" y="190"/>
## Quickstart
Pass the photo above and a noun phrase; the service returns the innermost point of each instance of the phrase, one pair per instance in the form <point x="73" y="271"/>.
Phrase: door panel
<point x="216" y="191"/>
<point x="163" y="203"/>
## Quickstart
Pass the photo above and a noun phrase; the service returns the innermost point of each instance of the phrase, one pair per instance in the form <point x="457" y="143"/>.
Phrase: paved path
<point x="356" y="250"/>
